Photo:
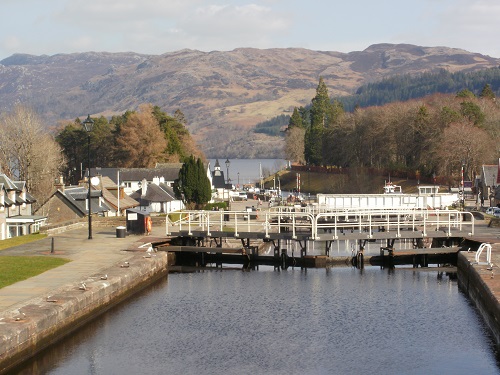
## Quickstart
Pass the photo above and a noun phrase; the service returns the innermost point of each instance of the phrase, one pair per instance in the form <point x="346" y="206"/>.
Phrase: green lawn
<point x="11" y="242"/>
<point x="14" y="269"/>
<point x="18" y="268"/>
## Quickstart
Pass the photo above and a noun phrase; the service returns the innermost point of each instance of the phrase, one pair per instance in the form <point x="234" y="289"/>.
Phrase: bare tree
<point x="294" y="144"/>
<point x="28" y="152"/>
<point x="464" y="144"/>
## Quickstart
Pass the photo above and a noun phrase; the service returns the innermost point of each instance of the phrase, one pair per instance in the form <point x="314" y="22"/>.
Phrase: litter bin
<point x="120" y="232"/>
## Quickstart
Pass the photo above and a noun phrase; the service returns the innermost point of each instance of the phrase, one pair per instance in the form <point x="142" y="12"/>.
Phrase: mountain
<point x="222" y="94"/>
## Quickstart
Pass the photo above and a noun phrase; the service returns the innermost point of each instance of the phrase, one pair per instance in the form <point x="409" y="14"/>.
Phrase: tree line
<point x="434" y="135"/>
<point x="135" y="139"/>
<point x="406" y="87"/>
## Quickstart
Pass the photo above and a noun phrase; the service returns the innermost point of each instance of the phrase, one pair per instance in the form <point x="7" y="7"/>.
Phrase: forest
<point x="135" y="139"/>
<point x="402" y="88"/>
<point x="431" y="136"/>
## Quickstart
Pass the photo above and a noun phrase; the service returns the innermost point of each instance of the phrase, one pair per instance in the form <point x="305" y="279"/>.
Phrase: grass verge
<point x="15" y="241"/>
<point x="18" y="268"/>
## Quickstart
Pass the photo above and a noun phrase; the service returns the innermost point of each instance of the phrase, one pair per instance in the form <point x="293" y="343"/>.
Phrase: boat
<point x="390" y="188"/>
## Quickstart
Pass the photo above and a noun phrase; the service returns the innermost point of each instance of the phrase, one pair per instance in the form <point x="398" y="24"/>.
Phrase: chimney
<point x="59" y="184"/>
<point x="144" y="187"/>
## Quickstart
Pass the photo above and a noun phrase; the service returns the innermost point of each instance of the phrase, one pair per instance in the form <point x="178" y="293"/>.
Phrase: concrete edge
<point x="471" y="280"/>
<point x="43" y="321"/>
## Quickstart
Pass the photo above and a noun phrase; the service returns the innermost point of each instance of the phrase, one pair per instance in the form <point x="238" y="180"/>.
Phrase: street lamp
<point x="89" y="125"/>
<point x="228" y="163"/>
<point x="492" y="194"/>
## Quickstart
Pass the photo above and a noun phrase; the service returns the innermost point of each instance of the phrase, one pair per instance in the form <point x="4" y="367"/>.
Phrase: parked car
<point x="491" y="210"/>
<point x="496" y="212"/>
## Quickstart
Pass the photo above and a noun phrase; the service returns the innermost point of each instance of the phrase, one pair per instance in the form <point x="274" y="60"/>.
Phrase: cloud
<point x="471" y="25"/>
<point x="148" y="25"/>
<point x="11" y="43"/>
<point x="232" y="26"/>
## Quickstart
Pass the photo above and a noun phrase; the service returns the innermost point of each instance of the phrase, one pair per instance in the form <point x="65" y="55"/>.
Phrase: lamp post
<point x="238" y="180"/>
<point x="89" y="125"/>
<point x="228" y="163"/>
<point x="492" y="194"/>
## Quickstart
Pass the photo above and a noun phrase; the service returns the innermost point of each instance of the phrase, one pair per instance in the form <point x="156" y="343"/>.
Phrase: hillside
<point x="222" y="94"/>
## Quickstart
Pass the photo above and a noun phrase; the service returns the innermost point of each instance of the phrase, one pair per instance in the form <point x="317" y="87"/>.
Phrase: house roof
<point x="7" y="202"/>
<point x="219" y="182"/>
<point x="106" y="184"/>
<point x="19" y="200"/>
<point x="26" y="219"/>
<point x="7" y="182"/>
<point x="20" y="184"/>
<point x="154" y="194"/>
<point x="169" y="190"/>
<point x="77" y="196"/>
<point x="169" y="172"/>
<point x="30" y="198"/>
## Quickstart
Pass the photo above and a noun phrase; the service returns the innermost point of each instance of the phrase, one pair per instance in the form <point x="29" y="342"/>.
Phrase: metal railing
<point x="479" y="251"/>
<point x="393" y="220"/>
<point x="323" y="225"/>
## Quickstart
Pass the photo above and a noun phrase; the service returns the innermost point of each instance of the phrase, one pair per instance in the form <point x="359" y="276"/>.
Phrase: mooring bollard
<point x="52" y="246"/>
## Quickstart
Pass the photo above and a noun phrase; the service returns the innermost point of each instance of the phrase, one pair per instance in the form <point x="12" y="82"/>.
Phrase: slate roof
<point x="154" y="193"/>
<point x="30" y="198"/>
<point x="169" y="171"/>
<point x="169" y="190"/>
<point x="77" y="196"/>
<point x="7" y="182"/>
<point x="7" y="202"/>
<point x="125" y="203"/>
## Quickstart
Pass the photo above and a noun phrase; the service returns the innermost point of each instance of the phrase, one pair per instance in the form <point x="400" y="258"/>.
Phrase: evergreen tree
<point x="321" y="117"/>
<point x="192" y="184"/>
<point x="296" y="120"/>
<point x="466" y="94"/>
<point x="472" y="112"/>
<point x="487" y="92"/>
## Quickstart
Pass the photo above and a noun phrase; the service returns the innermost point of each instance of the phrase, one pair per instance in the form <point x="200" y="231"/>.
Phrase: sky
<point x="48" y="27"/>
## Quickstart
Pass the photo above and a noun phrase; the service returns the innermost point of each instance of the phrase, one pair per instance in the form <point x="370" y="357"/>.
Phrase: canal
<point x="315" y="321"/>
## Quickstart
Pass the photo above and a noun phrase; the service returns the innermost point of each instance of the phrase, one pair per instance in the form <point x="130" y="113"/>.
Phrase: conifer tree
<point x="321" y="117"/>
<point x="192" y="184"/>
<point x="487" y="92"/>
<point x="296" y="119"/>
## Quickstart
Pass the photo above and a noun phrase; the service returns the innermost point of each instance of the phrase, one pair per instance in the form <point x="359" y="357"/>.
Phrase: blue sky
<point x="158" y="26"/>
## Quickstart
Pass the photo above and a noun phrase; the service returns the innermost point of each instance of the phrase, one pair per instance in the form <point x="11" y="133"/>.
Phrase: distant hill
<point x="222" y="94"/>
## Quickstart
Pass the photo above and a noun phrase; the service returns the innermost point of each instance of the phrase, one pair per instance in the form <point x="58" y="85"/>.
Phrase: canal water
<point x="315" y="321"/>
<point x="247" y="171"/>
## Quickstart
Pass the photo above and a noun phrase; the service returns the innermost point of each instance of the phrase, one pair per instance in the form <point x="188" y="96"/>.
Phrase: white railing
<point x="479" y="251"/>
<point x="392" y="220"/>
<point x="323" y="225"/>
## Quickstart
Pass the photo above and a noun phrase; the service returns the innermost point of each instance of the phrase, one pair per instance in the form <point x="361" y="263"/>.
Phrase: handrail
<point x="488" y="254"/>
<point x="286" y="219"/>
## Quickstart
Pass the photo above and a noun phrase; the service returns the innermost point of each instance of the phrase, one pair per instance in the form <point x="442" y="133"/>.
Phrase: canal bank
<point x="106" y="270"/>
<point x="103" y="272"/>
<point x="479" y="279"/>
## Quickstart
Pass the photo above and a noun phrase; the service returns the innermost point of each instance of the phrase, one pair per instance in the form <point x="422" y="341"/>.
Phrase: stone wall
<point x="472" y="283"/>
<point x="42" y="322"/>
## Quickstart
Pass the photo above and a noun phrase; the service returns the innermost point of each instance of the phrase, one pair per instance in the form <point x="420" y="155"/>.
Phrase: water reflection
<point x="334" y="321"/>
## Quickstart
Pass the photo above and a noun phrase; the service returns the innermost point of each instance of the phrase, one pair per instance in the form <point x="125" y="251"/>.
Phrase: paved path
<point x="87" y="257"/>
